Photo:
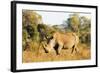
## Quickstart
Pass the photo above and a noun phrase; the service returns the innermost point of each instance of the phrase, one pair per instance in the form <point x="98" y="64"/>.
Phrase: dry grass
<point x="41" y="56"/>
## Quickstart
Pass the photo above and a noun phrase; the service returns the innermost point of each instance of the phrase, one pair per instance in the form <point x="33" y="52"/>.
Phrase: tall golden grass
<point x="37" y="54"/>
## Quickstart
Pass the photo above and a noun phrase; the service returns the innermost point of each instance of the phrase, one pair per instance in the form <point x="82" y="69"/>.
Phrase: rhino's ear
<point x="51" y="37"/>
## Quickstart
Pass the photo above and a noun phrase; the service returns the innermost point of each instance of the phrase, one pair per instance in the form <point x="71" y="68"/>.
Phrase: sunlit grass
<point x="38" y="54"/>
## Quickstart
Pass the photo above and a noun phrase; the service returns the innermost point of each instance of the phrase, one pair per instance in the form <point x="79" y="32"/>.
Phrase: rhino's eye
<point x="51" y="37"/>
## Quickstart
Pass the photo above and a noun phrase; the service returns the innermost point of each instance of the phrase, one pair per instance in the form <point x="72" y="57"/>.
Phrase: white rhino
<point x="62" y="40"/>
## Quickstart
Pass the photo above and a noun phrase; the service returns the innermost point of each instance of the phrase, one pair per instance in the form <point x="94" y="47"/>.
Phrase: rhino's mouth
<point x="45" y="50"/>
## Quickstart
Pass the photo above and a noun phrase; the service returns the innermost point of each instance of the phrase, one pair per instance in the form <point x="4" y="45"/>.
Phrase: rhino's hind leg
<point x="56" y="48"/>
<point x="59" y="49"/>
<point x="77" y="50"/>
<point x="73" y="48"/>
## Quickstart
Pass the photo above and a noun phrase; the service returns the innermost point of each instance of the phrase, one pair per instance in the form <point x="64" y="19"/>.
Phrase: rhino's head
<point x="49" y="45"/>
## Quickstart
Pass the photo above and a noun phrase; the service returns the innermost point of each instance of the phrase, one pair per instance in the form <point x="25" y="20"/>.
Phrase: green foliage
<point x="36" y="34"/>
<point x="30" y="22"/>
<point x="74" y="22"/>
<point x="31" y="17"/>
<point x="81" y="25"/>
<point x="24" y="35"/>
<point x="85" y="30"/>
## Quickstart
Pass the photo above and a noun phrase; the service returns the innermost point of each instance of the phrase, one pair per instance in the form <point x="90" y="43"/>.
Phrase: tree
<point x="85" y="30"/>
<point x="31" y="17"/>
<point x="74" y="22"/>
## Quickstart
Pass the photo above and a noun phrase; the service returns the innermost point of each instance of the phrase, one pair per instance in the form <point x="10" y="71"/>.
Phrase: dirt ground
<point x="65" y="55"/>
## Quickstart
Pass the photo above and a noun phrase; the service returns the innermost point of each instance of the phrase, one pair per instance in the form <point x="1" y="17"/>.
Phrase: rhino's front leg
<point x="45" y="48"/>
<point x="59" y="49"/>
